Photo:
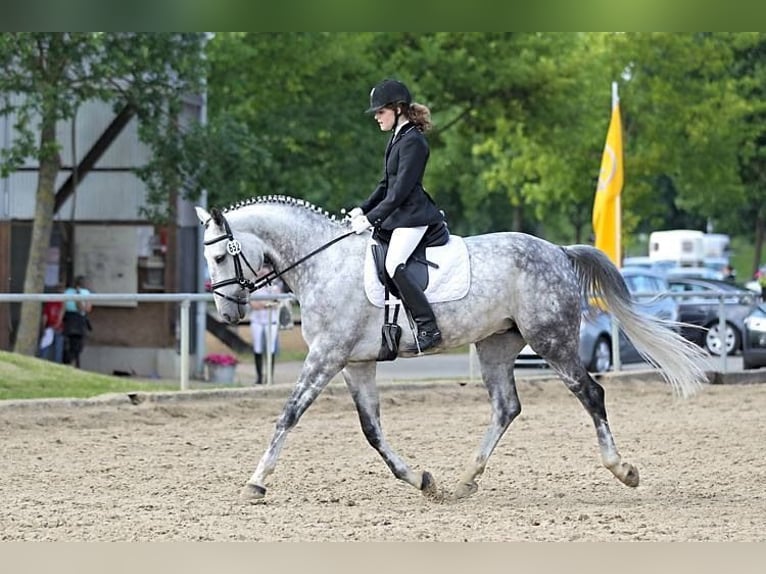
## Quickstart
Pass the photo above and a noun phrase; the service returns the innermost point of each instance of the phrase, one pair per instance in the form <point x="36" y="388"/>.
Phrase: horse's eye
<point x="219" y="258"/>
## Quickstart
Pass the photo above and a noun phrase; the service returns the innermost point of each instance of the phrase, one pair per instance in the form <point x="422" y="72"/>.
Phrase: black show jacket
<point x="400" y="200"/>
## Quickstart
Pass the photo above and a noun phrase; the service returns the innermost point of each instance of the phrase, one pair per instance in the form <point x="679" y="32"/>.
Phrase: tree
<point x="300" y="98"/>
<point x="47" y="76"/>
<point x="750" y="71"/>
<point x="682" y="116"/>
<point x="516" y="140"/>
<point x="519" y="121"/>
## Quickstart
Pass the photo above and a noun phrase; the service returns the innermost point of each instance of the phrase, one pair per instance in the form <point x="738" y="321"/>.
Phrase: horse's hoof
<point x="628" y="474"/>
<point x="465" y="489"/>
<point x="252" y="493"/>
<point x="631" y="476"/>
<point x="429" y="489"/>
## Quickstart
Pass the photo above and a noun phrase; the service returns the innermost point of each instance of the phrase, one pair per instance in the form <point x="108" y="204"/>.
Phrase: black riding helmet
<point x="388" y="92"/>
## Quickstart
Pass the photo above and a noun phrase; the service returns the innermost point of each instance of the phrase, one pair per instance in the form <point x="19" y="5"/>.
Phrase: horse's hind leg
<point x="360" y="380"/>
<point x="591" y="395"/>
<point x="496" y="356"/>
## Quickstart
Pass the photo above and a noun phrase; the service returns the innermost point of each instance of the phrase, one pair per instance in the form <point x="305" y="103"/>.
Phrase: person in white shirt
<point x="264" y="325"/>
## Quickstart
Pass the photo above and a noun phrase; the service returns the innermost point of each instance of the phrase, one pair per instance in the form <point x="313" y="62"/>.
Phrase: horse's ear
<point x="217" y="216"/>
<point x="202" y="214"/>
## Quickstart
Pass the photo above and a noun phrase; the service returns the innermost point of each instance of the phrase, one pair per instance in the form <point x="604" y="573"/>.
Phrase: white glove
<point x="354" y="212"/>
<point x="360" y="224"/>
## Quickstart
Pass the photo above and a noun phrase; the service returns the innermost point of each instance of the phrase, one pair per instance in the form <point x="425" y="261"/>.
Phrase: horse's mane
<point x="282" y="200"/>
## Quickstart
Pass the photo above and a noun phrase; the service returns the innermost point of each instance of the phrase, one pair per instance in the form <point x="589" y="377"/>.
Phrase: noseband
<point x="234" y="248"/>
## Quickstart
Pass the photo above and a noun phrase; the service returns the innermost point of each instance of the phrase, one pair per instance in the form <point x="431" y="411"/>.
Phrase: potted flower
<point x="221" y="367"/>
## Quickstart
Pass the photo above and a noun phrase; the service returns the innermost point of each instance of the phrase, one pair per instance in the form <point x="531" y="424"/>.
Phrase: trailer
<point x="685" y="247"/>
<point x="717" y="245"/>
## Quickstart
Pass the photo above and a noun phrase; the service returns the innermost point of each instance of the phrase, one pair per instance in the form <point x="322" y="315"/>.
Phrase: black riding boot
<point x="428" y="334"/>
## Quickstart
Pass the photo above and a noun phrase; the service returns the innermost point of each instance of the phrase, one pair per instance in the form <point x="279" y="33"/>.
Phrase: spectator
<point x="76" y="322"/>
<point x="52" y="339"/>
<point x="264" y="322"/>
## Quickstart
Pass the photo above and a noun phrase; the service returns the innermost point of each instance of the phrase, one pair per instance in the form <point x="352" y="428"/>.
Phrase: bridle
<point x="234" y="248"/>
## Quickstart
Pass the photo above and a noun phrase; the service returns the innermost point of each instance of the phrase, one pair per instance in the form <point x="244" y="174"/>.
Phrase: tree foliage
<point x="520" y="121"/>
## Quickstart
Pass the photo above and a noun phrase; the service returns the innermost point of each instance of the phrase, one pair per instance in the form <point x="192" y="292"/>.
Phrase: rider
<point x="400" y="206"/>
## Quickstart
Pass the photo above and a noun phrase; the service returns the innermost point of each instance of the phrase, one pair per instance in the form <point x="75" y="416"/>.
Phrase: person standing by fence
<point x="264" y="326"/>
<point x="52" y="339"/>
<point x="76" y="322"/>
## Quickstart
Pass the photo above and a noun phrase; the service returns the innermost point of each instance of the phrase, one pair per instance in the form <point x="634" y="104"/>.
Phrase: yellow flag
<point x="607" y="213"/>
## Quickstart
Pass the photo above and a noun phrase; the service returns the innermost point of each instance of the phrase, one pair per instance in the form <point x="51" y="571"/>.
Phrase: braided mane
<point x="282" y="200"/>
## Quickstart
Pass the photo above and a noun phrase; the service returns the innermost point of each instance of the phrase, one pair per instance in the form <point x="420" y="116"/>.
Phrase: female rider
<point x="400" y="206"/>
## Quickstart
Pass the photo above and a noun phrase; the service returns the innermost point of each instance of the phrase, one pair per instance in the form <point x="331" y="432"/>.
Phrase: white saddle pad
<point x="447" y="283"/>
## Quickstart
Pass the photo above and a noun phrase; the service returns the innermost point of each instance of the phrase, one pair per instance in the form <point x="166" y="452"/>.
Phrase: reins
<point x="271" y="275"/>
<point x="234" y="248"/>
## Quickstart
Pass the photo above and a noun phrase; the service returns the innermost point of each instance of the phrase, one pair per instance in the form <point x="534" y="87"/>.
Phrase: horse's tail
<point x="679" y="361"/>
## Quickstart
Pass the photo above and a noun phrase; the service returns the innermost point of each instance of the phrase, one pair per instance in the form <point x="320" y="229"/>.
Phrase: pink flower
<point x="219" y="359"/>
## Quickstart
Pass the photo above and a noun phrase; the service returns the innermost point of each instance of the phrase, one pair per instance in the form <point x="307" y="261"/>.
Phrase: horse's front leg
<point x="320" y="366"/>
<point x="360" y="380"/>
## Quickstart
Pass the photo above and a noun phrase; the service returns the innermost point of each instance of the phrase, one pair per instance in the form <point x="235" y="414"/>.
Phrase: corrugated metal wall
<point x="110" y="177"/>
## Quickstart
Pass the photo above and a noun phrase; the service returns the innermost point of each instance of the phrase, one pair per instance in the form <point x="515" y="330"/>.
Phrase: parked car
<point x="646" y="262"/>
<point x="637" y="261"/>
<point x="650" y="293"/>
<point x="698" y="272"/>
<point x="754" y="339"/>
<point x="701" y="312"/>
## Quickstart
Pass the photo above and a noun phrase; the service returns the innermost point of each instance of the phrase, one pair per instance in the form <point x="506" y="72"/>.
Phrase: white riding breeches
<point x="403" y="242"/>
<point x="261" y="332"/>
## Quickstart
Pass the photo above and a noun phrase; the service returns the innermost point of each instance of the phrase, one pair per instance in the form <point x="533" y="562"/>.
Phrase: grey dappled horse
<point x="523" y="290"/>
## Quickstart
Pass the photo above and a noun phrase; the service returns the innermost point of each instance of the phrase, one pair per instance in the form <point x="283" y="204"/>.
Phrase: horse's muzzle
<point x="230" y="318"/>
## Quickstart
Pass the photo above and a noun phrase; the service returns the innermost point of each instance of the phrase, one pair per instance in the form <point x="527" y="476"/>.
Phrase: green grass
<point x="23" y="377"/>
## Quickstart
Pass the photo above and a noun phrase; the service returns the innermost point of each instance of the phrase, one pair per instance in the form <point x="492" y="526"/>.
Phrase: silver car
<point x="650" y="294"/>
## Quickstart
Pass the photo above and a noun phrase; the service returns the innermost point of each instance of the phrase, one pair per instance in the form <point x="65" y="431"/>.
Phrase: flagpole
<point x="616" y="359"/>
<point x="618" y="201"/>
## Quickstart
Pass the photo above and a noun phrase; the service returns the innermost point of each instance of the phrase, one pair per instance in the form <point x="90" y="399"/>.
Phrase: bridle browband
<point x="234" y="248"/>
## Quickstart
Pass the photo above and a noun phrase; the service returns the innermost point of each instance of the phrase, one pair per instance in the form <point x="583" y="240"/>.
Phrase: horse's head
<point x="232" y="265"/>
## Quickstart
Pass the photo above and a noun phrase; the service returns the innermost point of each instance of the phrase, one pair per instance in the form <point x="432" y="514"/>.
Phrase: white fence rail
<point x="185" y="300"/>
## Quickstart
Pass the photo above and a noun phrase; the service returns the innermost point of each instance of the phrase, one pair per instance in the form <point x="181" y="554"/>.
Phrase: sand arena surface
<point x="173" y="471"/>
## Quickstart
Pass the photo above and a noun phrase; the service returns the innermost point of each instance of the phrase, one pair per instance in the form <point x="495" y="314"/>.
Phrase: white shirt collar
<point x="400" y="126"/>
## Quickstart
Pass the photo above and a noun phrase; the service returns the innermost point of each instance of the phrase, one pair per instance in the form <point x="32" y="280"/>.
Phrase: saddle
<point x="417" y="265"/>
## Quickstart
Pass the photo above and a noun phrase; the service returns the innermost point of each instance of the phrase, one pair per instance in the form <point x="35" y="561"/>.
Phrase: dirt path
<point x="174" y="471"/>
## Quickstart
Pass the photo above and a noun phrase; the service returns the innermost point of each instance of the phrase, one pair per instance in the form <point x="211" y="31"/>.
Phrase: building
<point x="99" y="231"/>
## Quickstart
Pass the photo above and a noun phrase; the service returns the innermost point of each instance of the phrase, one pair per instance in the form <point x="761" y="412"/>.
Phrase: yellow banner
<point x="607" y="213"/>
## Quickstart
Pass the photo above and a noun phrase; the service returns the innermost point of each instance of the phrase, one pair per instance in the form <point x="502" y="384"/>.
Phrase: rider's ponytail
<point x="420" y="115"/>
